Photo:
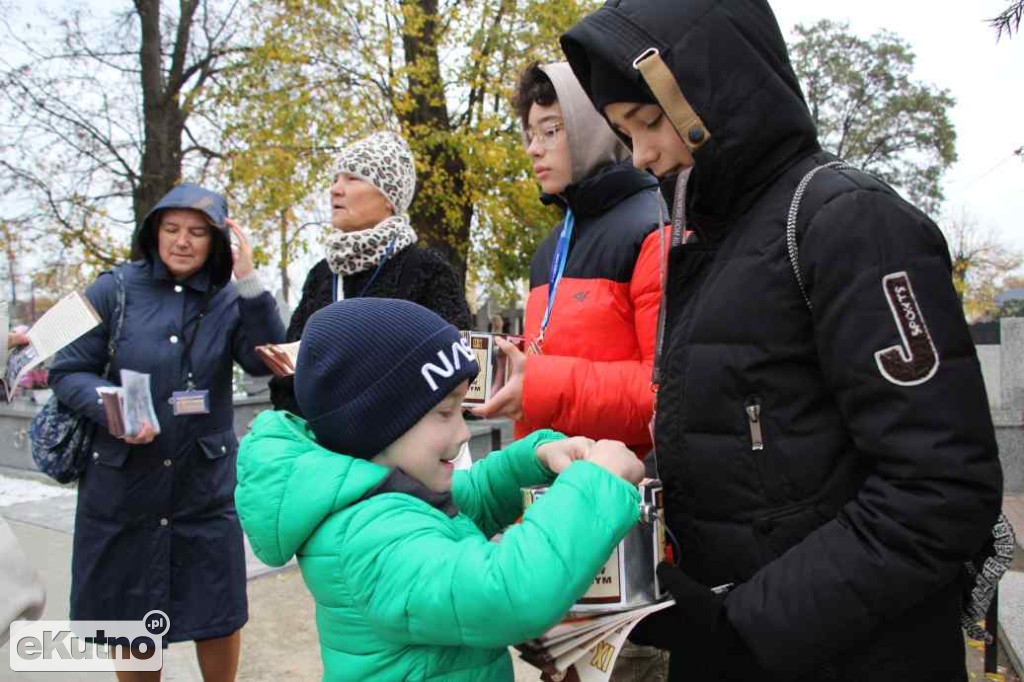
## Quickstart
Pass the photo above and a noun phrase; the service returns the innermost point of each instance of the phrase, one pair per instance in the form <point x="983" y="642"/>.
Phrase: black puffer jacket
<point x="845" y="511"/>
<point x="414" y="274"/>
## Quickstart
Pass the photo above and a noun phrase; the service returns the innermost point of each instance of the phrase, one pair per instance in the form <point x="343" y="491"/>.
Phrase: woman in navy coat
<point x="156" y="526"/>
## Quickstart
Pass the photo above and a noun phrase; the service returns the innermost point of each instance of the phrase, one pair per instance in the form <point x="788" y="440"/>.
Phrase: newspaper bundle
<point x="584" y="648"/>
<point x="281" y="358"/>
<point x="495" y="366"/>
<point x="59" y="326"/>
<point x="129" y="406"/>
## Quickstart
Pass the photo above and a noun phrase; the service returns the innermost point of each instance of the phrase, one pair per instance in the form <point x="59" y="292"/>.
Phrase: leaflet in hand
<point x="59" y="326"/>
<point x="584" y="649"/>
<point x="281" y="358"/>
<point x="495" y="366"/>
<point x="129" y="405"/>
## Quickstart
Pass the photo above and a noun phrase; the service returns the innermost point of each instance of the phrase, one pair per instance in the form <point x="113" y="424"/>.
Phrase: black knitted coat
<point x="414" y="274"/>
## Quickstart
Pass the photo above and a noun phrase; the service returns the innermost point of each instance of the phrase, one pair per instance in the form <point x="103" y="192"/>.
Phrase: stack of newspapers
<point x="59" y="326"/>
<point x="583" y="647"/>
<point x="281" y="358"/>
<point x="129" y="406"/>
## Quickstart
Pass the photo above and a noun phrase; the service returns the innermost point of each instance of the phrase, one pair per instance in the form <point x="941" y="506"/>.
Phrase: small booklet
<point x="584" y="648"/>
<point x="129" y="405"/>
<point x="281" y="358"/>
<point x="59" y="326"/>
<point x="495" y="366"/>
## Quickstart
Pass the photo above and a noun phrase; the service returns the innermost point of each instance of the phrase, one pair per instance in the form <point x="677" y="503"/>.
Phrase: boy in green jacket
<point x="393" y="544"/>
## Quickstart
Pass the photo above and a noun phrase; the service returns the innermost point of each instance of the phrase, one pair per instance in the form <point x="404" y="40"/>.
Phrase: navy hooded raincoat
<point x="156" y="526"/>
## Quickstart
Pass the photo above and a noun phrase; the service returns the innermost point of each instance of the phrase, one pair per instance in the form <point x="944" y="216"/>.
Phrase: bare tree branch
<point x="1008" y="20"/>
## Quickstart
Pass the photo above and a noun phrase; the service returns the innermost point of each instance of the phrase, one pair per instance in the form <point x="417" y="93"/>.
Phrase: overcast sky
<point x="957" y="50"/>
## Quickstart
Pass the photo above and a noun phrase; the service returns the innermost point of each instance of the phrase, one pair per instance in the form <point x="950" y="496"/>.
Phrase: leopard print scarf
<point x="352" y="252"/>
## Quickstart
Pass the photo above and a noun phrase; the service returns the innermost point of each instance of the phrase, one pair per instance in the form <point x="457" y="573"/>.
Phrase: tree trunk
<point x="163" y="119"/>
<point x="285" y="256"/>
<point x="442" y="167"/>
<point x="11" y="262"/>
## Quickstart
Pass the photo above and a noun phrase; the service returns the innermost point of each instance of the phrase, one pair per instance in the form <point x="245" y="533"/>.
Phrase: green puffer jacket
<point x="406" y="592"/>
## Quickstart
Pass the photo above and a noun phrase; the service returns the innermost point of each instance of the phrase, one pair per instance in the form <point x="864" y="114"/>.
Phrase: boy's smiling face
<point x="427" y="450"/>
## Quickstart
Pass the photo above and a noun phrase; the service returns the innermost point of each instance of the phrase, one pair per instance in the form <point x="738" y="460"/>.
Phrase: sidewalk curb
<point x="36" y="476"/>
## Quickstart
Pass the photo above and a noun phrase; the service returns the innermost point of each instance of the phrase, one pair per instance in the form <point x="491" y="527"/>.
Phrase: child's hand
<point x="559" y="454"/>
<point x="508" y="401"/>
<point x="616" y="458"/>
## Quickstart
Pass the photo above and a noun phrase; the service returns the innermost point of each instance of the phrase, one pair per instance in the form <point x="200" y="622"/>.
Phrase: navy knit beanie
<point x="370" y="368"/>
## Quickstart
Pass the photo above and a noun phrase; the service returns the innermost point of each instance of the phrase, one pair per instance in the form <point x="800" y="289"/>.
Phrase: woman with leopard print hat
<point x="372" y="250"/>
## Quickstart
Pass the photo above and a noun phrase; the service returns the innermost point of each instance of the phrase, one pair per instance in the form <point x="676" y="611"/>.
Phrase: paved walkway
<point x="280" y="642"/>
<point x="1013" y="507"/>
<point x="1011" y="590"/>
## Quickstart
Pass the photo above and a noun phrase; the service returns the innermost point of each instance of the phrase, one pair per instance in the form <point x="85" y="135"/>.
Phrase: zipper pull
<point x="754" y="415"/>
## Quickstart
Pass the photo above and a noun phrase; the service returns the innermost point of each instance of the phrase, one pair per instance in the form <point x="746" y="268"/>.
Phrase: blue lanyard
<point x="558" y="268"/>
<point x="373" y="277"/>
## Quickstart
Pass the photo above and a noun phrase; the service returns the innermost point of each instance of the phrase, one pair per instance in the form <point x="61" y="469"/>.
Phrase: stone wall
<point x="15" y="419"/>
<point x="991" y="370"/>
<point x="1002" y="366"/>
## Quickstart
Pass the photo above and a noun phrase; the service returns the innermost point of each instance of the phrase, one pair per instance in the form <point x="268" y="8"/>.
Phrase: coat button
<point x="167" y="462"/>
<point x="177" y="288"/>
<point x="223" y="448"/>
<point x="99" y="401"/>
<point x="164" y="521"/>
<point x="95" y="455"/>
<point x="174" y="338"/>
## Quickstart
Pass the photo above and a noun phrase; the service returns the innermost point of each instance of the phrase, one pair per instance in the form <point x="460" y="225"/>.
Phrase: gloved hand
<point x="697" y="632"/>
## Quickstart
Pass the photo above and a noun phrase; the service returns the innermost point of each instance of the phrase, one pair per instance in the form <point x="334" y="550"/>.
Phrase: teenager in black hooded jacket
<point x="822" y="431"/>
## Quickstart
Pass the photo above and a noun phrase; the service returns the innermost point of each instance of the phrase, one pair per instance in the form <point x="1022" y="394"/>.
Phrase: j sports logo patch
<point x="916" y="360"/>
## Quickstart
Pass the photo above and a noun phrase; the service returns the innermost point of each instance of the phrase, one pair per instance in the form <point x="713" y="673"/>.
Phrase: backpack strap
<point x="983" y="573"/>
<point x="118" y="320"/>
<point x="791" y="223"/>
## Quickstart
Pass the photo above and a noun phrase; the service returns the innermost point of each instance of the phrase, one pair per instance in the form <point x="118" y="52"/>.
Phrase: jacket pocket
<point x="220" y="444"/>
<point x="213" y="469"/>
<point x="103" y="486"/>
<point x="107" y="450"/>
<point x="765" y="451"/>
<point x="753" y="410"/>
<point x="780" y="530"/>
<point x="753" y="418"/>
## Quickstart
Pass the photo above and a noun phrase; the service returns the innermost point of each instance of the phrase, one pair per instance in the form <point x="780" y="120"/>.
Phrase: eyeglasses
<point x="547" y="135"/>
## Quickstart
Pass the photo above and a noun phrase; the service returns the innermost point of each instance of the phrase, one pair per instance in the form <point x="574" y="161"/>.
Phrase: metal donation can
<point x="628" y="578"/>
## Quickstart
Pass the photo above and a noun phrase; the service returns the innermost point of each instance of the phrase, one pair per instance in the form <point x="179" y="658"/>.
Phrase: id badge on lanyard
<point x="536" y="346"/>
<point x="190" y="402"/>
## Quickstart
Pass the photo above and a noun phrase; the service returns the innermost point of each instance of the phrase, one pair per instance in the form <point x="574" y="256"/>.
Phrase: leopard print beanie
<point x="385" y="161"/>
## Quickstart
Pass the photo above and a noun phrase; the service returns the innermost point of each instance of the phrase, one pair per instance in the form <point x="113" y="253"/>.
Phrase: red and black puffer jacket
<point x="593" y="377"/>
